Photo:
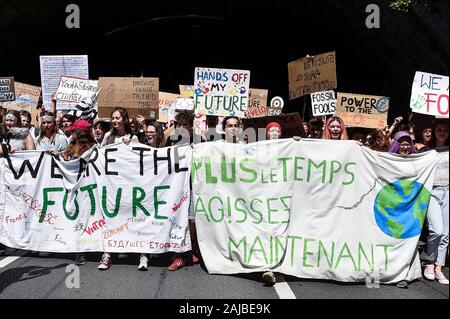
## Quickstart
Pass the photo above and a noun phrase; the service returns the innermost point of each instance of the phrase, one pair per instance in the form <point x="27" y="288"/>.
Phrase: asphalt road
<point x="30" y="276"/>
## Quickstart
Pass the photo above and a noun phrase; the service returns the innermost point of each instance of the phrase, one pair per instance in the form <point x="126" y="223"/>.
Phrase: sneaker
<point x="428" y="272"/>
<point x="269" y="278"/>
<point x="441" y="278"/>
<point x="176" y="264"/>
<point x="402" y="284"/>
<point x="80" y="259"/>
<point x="143" y="264"/>
<point x="105" y="263"/>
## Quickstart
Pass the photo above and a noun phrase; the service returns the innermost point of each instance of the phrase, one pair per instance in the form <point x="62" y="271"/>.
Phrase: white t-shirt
<point x="117" y="138"/>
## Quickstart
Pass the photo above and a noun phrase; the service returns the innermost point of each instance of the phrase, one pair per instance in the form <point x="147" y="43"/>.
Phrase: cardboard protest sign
<point x="221" y="92"/>
<point x="165" y="102"/>
<point x="139" y="96"/>
<point x="7" y="92"/>
<point x="292" y="125"/>
<point x="362" y="110"/>
<point x="323" y="103"/>
<point x="27" y="98"/>
<point x="314" y="209"/>
<point x="430" y="95"/>
<point x="312" y="74"/>
<point x="186" y="90"/>
<point x="53" y="68"/>
<point x="72" y="89"/>
<point x="127" y="202"/>
<point x="257" y="103"/>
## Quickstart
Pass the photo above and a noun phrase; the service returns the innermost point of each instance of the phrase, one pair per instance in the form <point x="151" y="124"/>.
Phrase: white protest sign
<point x="221" y="92"/>
<point x="53" y="68"/>
<point x="72" y="89"/>
<point x="312" y="209"/>
<point x="323" y="103"/>
<point x="127" y="199"/>
<point x="430" y="95"/>
<point x="184" y="103"/>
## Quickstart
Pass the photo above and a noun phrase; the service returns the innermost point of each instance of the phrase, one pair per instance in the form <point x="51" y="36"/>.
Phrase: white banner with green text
<point x="115" y="199"/>
<point x="311" y="209"/>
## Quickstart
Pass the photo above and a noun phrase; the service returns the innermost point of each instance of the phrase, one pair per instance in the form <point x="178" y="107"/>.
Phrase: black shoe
<point x="80" y="259"/>
<point x="402" y="284"/>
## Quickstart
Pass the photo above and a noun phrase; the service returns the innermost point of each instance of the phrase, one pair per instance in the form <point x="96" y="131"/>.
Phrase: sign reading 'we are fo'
<point x="430" y="94"/>
<point x="221" y="92"/>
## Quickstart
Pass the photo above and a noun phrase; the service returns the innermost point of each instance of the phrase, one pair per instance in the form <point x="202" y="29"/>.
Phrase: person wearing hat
<point x="402" y="144"/>
<point x="274" y="131"/>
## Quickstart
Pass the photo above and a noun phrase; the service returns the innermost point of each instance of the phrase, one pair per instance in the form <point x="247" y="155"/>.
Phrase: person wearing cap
<point x="402" y="144"/>
<point x="79" y="125"/>
<point x="274" y="131"/>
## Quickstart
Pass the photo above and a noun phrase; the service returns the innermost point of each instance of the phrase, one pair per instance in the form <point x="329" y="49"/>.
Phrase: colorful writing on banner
<point x="312" y="74"/>
<point x="27" y="98"/>
<point x="7" y="92"/>
<point x="186" y="90"/>
<point x="323" y="103"/>
<point x="312" y="209"/>
<point x="166" y="100"/>
<point x="139" y="96"/>
<point x="116" y="199"/>
<point x="77" y="90"/>
<point x="430" y="95"/>
<point x="53" y="68"/>
<point x="257" y="103"/>
<point x="221" y="92"/>
<point x="362" y="110"/>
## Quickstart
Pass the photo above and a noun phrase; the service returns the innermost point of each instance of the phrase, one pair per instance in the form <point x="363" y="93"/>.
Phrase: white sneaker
<point x="441" y="278"/>
<point x="143" y="264"/>
<point x="269" y="278"/>
<point x="428" y="273"/>
<point x="105" y="263"/>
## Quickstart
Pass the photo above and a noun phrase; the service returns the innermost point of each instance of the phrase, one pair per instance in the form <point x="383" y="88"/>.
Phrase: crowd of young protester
<point x="69" y="137"/>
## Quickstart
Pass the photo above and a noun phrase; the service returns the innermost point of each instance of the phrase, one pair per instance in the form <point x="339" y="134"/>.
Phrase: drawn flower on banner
<point x="242" y="90"/>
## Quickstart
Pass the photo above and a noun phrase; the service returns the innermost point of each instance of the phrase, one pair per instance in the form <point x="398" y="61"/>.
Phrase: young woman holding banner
<point x="335" y="129"/>
<point x="120" y="131"/>
<point x="154" y="137"/>
<point x="437" y="216"/>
